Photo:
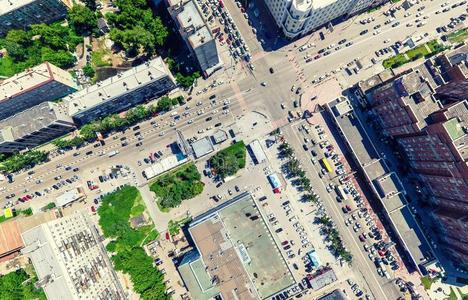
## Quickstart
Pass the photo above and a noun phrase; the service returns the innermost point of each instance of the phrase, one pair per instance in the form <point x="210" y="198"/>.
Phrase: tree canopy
<point x="181" y="184"/>
<point x="82" y="19"/>
<point x="135" y="26"/>
<point x="228" y="161"/>
<point x="13" y="287"/>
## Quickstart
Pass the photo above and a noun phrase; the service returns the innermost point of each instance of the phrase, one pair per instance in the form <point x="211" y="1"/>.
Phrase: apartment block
<point x="19" y="14"/>
<point x="453" y="226"/>
<point x="196" y="33"/>
<point x="70" y="261"/>
<point x="33" y="127"/>
<point x="41" y="83"/>
<point x="299" y="17"/>
<point x="453" y="91"/>
<point x="403" y="105"/>
<point x="121" y="92"/>
<point x="453" y="64"/>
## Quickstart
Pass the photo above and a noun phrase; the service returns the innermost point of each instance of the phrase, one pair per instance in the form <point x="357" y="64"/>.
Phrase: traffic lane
<point x="335" y="214"/>
<point x="115" y="143"/>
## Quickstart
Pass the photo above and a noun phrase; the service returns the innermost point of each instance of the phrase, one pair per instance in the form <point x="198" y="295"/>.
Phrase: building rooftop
<point x="33" y="78"/>
<point x="376" y="80"/>
<point x="116" y="86"/>
<point x="31" y="120"/>
<point x="335" y="295"/>
<point x="10" y="237"/>
<point x="232" y="240"/>
<point x="202" y="147"/>
<point x="7" y="6"/>
<point x="410" y="233"/>
<point x="323" y="278"/>
<point x="386" y="186"/>
<point x="69" y="260"/>
<point x="69" y="196"/>
<point x="200" y="37"/>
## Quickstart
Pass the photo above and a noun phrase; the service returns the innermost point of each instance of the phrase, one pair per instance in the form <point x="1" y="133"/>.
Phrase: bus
<point x="326" y="165"/>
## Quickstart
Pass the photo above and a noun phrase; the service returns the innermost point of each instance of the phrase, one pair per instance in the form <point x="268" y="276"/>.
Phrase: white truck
<point x="113" y="153"/>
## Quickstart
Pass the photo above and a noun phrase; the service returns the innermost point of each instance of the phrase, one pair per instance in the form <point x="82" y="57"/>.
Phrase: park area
<point x="20" y="285"/>
<point x="423" y="51"/>
<point x="229" y="161"/>
<point x="117" y="215"/>
<point x="176" y="186"/>
<point x="458" y="36"/>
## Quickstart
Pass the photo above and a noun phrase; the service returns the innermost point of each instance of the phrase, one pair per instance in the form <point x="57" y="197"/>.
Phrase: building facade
<point x="19" y="14"/>
<point x="33" y="127"/>
<point x="196" y="34"/>
<point x="299" y="17"/>
<point x="403" y="105"/>
<point x="41" y="83"/>
<point x="121" y="92"/>
<point x="70" y="261"/>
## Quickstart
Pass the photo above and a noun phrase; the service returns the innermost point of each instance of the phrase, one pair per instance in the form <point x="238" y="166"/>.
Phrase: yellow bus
<point x="326" y="165"/>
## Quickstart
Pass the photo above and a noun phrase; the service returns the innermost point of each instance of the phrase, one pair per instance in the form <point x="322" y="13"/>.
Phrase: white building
<point x="19" y="14"/>
<point x="121" y="92"/>
<point x="298" y="17"/>
<point x="70" y="261"/>
<point x="44" y="82"/>
<point x="196" y="33"/>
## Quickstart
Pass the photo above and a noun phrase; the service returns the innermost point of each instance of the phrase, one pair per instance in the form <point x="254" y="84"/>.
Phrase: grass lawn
<point x="413" y="54"/>
<point x="126" y="243"/>
<point x="101" y="58"/>
<point x="230" y="160"/>
<point x="458" y="36"/>
<point x="427" y="282"/>
<point x="7" y="67"/>
<point x="176" y="186"/>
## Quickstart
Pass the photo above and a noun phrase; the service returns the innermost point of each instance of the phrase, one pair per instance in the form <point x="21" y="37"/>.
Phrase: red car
<point x="348" y="208"/>
<point x="284" y="243"/>
<point x="29" y="197"/>
<point x="93" y="209"/>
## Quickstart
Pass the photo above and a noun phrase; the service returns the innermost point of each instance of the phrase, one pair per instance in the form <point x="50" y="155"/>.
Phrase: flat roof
<point x="7" y="6"/>
<point x="232" y="240"/>
<point x="68" y="251"/>
<point x="394" y="202"/>
<point x="376" y="80"/>
<point x="335" y="295"/>
<point x="257" y="151"/>
<point x="387" y="185"/>
<point x="21" y="124"/>
<point x="202" y="147"/>
<point x="10" y="237"/>
<point x="353" y="131"/>
<point x="33" y="78"/>
<point x="410" y="233"/>
<point x="115" y="86"/>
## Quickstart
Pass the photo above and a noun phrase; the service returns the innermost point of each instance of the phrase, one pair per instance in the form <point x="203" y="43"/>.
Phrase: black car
<point x="96" y="201"/>
<point x="279" y="230"/>
<point x="89" y="152"/>
<point x="139" y="144"/>
<point x="136" y="128"/>
<point x="212" y="97"/>
<point x="76" y="169"/>
<point x="68" y="168"/>
<point x="30" y="172"/>
<point x="209" y="119"/>
<point x="272" y="71"/>
<point x="217" y="125"/>
<point x="364" y="32"/>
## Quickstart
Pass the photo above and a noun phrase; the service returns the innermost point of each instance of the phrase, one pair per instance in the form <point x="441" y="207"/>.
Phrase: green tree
<point x="89" y="71"/>
<point x="88" y="131"/>
<point x="164" y="103"/>
<point x="20" y="37"/>
<point x="82" y="19"/>
<point x="60" y="58"/>
<point x="91" y="4"/>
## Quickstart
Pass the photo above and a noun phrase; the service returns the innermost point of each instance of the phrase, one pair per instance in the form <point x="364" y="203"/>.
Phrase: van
<point x="174" y="113"/>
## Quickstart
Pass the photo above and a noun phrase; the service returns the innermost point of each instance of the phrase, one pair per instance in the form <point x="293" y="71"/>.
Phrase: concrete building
<point x="33" y="127"/>
<point x="196" y="33"/>
<point x="403" y="105"/>
<point x="299" y="17"/>
<point x="453" y="91"/>
<point x="440" y="158"/>
<point x="121" y="92"/>
<point x="384" y="184"/>
<point x="44" y="82"/>
<point x="453" y="64"/>
<point x="19" y="14"/>
<point x="228" y="260"/>
<point x="70" y="261"/>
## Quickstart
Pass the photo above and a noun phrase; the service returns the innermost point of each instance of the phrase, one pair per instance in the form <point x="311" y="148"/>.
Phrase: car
<point x="304" y="146"/>
<point x="344" y="209"/>
<point x="263" y="83"/>
<point x="278" y="230"/>
<point x="286" y="247"/>
<point x="272" y="71"/>
<point x="237" y="188"/>
<point x="364" y="32"/>
<point x="75" y="169"/>
<point x="298" y="91"/>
